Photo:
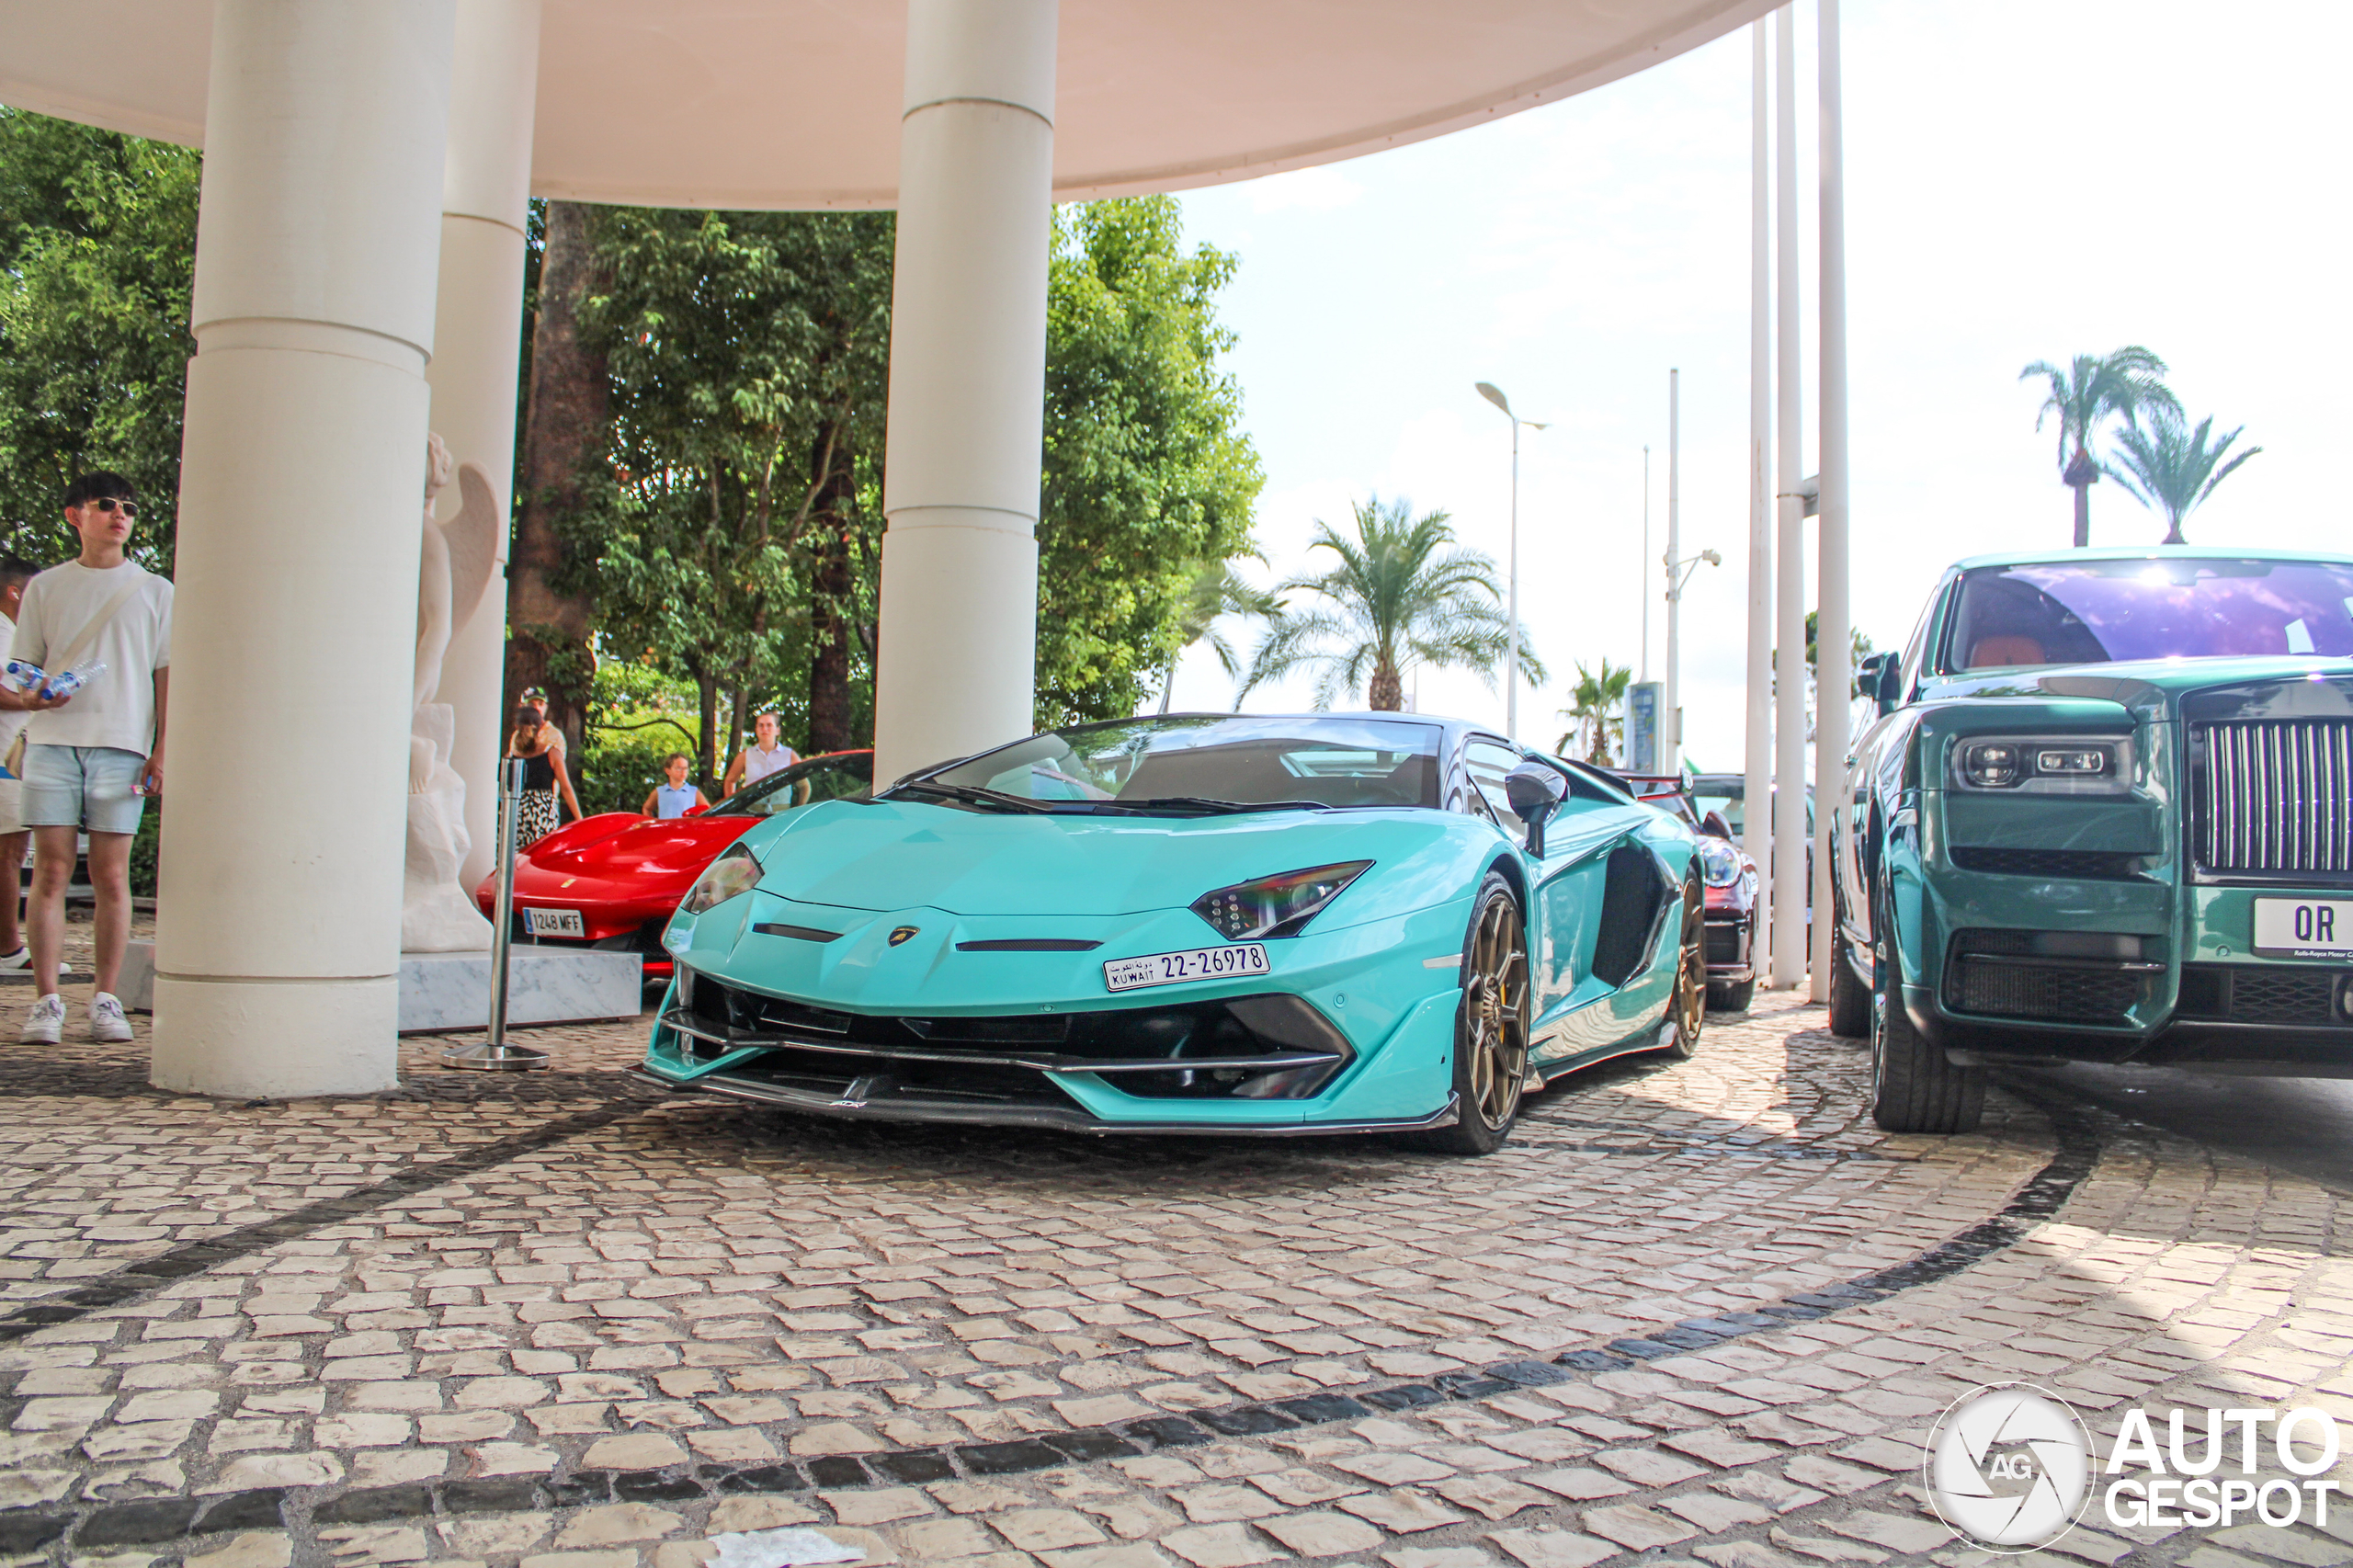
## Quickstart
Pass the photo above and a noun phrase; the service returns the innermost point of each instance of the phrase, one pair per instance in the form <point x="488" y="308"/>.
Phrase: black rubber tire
<point x="1687" y="1004"/>
<point x="1850" y="999"/>
<point x="1490" y="1026"/>
<point x="1913" y="1088"/>
<point x="1730" y="998"/>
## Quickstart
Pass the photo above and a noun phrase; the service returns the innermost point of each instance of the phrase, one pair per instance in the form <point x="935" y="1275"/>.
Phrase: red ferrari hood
<point x="641" y="850"/>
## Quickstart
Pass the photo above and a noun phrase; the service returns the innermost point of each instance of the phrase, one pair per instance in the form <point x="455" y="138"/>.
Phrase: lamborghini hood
<point x="900" y="855"/>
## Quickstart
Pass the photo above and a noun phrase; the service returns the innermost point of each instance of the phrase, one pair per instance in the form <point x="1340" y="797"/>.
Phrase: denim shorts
<point x="83" y="785"/>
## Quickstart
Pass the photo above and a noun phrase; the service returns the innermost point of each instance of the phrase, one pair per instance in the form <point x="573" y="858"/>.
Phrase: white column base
<point x="958" y="638"/>
<point x="276" y="1039"/>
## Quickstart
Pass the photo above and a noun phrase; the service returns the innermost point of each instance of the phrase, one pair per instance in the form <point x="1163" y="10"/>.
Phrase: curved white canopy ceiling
<point x="794" y="103"/>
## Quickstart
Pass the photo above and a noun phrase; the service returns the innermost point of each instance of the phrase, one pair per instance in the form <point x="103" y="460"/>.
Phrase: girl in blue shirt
<point x="675" y="798"/>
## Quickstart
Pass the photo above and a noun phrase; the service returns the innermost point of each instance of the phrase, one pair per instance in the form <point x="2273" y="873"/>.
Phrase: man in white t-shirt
<point x="765" y="756"/>
<point x="92" y="758"/>
<point x="13" y="955"/>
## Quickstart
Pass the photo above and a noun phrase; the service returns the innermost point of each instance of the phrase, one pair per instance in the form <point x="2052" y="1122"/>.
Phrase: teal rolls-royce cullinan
<point x="2105" y="815"/>
<point x="1223" y="923"/>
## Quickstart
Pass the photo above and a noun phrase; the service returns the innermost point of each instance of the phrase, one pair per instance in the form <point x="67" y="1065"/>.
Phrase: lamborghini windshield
<point x="1192" y="764"/>
<point x="2083" y="612"/>
<point x="843" y="776"/>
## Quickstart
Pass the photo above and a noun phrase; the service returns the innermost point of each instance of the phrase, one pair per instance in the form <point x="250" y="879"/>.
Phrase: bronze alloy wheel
<point x="1490" y="1027"/>
<point x="1686" y="1009"/>
<point x="1494" y="1016"/>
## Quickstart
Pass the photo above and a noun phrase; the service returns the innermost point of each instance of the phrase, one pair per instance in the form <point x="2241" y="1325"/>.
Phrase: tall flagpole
<point x="1791" y="886"/>
<point x="1756" y="837"/>
<point x="1836" y="681"/>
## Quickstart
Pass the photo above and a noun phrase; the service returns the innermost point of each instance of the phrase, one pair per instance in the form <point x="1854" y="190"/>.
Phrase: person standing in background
<point x="536" y="813"/>
<point x="14" y="839"/>
<point x="92" y="759"/>
<point x="765" y="756"/>
<point x="674" y="797"/>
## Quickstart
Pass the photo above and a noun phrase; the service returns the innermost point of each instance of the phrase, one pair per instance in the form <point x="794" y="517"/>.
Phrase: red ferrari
<point x="612" y="881"/>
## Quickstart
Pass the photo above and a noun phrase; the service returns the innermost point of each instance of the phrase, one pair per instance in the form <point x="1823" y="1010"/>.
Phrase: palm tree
<point x="1216" y="592"/>
<point x="1597" y="708"/>
<point x="1399" y="597"/>
<point x="2171" y="469"/>
<point x="2092" y="389"/>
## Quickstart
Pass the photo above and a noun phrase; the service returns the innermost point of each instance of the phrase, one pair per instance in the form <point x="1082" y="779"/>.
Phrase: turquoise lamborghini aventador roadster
<point x="1232" y="923"/>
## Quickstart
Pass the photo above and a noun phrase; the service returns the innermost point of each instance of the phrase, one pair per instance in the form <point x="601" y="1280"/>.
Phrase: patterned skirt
<point x="536" y="817"/>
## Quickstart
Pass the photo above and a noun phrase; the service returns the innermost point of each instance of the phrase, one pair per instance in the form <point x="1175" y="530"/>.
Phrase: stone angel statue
<point x="459" y="560"/>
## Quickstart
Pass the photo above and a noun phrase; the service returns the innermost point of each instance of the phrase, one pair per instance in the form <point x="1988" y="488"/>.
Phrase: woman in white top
<point x="765" y="756"/>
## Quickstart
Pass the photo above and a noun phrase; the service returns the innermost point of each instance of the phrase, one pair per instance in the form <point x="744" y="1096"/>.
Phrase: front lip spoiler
<point x="853" y="1105"/>
<point x="683" y="1022"/>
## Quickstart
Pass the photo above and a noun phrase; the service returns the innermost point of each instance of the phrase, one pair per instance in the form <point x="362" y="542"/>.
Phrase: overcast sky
<point x="2024" y="182"/>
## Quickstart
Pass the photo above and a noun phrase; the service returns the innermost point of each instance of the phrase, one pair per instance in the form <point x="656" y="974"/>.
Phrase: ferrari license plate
<point x="1199" y="963"/>
<point x="554" y="923"/>
<point x="2304" y="927"/>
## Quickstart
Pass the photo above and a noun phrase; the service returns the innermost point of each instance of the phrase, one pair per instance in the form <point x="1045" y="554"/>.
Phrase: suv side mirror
<point x="1881" y="677"/>
<point x="1535" y="792"/>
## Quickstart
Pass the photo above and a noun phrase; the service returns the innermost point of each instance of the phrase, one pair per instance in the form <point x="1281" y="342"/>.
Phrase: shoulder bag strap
<point x="99" y="624"/>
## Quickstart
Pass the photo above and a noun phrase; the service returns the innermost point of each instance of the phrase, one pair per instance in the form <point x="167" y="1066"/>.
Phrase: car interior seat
<point x="2004" y="650"/>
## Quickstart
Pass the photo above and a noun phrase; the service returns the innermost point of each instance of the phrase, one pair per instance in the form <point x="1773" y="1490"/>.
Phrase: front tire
<point x="1687" y="1006"/>
<point x="1913" y="1088"/>
<point x="1850" y="999"/>
<point x="1490" y="1026"/>
<point x="1729" y="998"/>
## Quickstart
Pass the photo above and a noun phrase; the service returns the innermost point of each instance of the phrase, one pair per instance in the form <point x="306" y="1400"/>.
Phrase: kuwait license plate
<point x="2304" y="927"/>
<point x="554" y="923"/>
<point x="1200" y="963"/>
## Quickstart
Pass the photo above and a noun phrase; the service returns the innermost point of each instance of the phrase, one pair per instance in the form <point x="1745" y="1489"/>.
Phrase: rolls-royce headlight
<point x="736" y="871"/>
<point x="1719" y="862"/>
<point x="2043" y="765"/>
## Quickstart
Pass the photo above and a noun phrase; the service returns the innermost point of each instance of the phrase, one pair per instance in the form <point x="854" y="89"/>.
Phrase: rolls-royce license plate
<point x="554" y="923"/>
<point x="2304" y="927"/>
<point x="1197" y="963"/>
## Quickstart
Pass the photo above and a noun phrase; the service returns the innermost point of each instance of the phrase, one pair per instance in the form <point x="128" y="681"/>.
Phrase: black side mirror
<point x="1535" y="792"/>
<point x="1879" y="676"/>
<point x="1714" y="826"/>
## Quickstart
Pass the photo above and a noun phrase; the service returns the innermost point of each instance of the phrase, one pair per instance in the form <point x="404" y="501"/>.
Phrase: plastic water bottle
<point x="65" y="683"/>
<point x="25" y="676"/>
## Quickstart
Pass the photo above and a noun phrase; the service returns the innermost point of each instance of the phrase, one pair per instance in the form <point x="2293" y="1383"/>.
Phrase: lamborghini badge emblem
<point x="901" y="934"/>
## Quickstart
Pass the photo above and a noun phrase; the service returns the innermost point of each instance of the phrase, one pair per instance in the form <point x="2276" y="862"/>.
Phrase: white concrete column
<point x="1757" y="780"/>
<point x="1832" y="665"/>
<point x="1790" y="887"/>
<point x="959" y="608"/>
<point x="302" y="487"/>
<point x="478" y="335"/>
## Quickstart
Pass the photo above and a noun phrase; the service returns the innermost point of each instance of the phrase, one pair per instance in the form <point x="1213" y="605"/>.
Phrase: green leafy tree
<point x="98" y="252"/>
<point x="747" y="354"/>
<point x="2084" y="395"/>
<point x="1398" y="597"/>
<point x="1147" y="473"/>
<point x="2172" y="469"/>
<point x="1597" y="712"/>
<point x="1216" y="592"/>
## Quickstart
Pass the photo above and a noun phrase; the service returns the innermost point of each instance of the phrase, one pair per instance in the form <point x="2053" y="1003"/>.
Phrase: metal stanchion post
<point x="495" y="1055"/>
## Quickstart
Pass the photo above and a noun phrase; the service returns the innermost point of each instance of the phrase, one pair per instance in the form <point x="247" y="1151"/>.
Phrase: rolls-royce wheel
<point x="1913" y="1088"/>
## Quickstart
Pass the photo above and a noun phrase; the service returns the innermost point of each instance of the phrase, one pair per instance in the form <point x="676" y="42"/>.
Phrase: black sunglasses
<point x="111" y="504"/>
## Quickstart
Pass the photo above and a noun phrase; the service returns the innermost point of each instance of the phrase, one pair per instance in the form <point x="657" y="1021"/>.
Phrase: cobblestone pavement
<point x="1695" y="1313"/>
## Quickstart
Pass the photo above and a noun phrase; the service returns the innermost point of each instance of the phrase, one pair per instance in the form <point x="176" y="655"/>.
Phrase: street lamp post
<point x="1511" y="608"/>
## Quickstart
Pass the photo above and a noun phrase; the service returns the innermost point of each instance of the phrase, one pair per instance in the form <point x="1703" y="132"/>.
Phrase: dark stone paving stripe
<point x="2079" y="1146"/>
<point x="140" y="1277"/>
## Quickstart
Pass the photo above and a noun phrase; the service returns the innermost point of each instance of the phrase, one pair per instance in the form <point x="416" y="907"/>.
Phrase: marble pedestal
<point x="442" y="991"/>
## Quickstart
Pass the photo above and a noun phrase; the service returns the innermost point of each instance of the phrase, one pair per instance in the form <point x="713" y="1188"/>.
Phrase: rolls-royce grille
<point x="2275" y="795"/>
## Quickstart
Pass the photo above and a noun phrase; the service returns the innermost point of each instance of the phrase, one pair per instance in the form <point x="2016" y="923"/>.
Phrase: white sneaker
<point x="21" y="959"/>
<point x="107" y="1026"/>
<point x="45" y="1021"/>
